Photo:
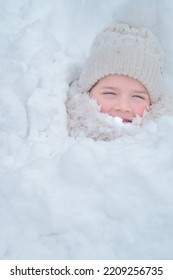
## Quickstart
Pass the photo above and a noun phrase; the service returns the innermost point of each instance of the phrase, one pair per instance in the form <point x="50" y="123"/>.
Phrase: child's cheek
<point x="140" y="110"/>
<point x="103" y="104"/>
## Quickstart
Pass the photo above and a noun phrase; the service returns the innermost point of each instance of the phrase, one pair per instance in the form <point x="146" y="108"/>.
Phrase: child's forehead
<point x="117" y="80"/>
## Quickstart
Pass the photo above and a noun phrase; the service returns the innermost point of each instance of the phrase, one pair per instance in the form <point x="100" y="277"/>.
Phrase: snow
<point x="65" y="198"/>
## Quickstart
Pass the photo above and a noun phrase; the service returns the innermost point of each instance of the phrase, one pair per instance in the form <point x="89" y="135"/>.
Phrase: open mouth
<point x="127" y="121"/>
<point x="124" y="119"/>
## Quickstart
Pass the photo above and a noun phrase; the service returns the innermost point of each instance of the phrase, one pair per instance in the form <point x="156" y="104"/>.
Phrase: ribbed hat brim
<point x="126" y="61"/>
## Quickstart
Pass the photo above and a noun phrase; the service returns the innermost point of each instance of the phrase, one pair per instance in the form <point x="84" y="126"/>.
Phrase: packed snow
<point x="66" y="198"/>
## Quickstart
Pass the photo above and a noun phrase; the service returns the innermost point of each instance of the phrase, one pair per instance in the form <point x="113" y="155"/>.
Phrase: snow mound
<point x="67" y="198"/>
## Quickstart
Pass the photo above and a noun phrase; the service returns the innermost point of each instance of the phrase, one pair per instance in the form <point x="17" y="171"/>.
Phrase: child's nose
<point x="122" y="105"/>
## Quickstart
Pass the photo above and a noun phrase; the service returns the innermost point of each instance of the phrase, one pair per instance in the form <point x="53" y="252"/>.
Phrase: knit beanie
<point x="123" y="49"/>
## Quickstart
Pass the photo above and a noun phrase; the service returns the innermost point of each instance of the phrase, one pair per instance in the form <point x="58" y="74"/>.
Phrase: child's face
<point x="121" y="96"/>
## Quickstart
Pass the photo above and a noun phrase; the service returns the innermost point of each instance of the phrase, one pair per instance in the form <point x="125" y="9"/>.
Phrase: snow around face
<point x="66" y="198"/>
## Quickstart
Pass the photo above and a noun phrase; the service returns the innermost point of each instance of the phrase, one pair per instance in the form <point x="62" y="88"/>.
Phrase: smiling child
<point x="122" y="78"/>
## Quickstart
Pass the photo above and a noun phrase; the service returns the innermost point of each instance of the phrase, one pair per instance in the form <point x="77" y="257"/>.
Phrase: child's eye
<point x="109" y="93"/>
<point x="139" y="96"/>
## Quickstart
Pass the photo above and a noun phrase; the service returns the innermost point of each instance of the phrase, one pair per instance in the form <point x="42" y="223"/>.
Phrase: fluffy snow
<point x="65" y="198"/>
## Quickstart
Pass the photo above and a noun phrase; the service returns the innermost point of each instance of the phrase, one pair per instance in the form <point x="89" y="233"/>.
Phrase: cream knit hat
<point x="122" y="49"/>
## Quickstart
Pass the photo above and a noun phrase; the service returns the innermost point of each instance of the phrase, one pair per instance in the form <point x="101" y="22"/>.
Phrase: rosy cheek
<point x="140" y="111"/>
<point x="103" y="108"/>
<point x="104" y="105"/>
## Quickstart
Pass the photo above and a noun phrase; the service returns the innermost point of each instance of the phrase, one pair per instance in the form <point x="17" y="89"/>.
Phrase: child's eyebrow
<point x="140" y="91"/>
<point x="108" y="87"/>
<point x="135" y="91"/>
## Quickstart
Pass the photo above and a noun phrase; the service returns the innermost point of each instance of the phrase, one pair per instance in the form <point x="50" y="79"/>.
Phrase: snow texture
<point x="66" y="198"/>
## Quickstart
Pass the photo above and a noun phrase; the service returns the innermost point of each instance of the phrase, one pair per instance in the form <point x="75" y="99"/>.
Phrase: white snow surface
<point x="65" y="198"/>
